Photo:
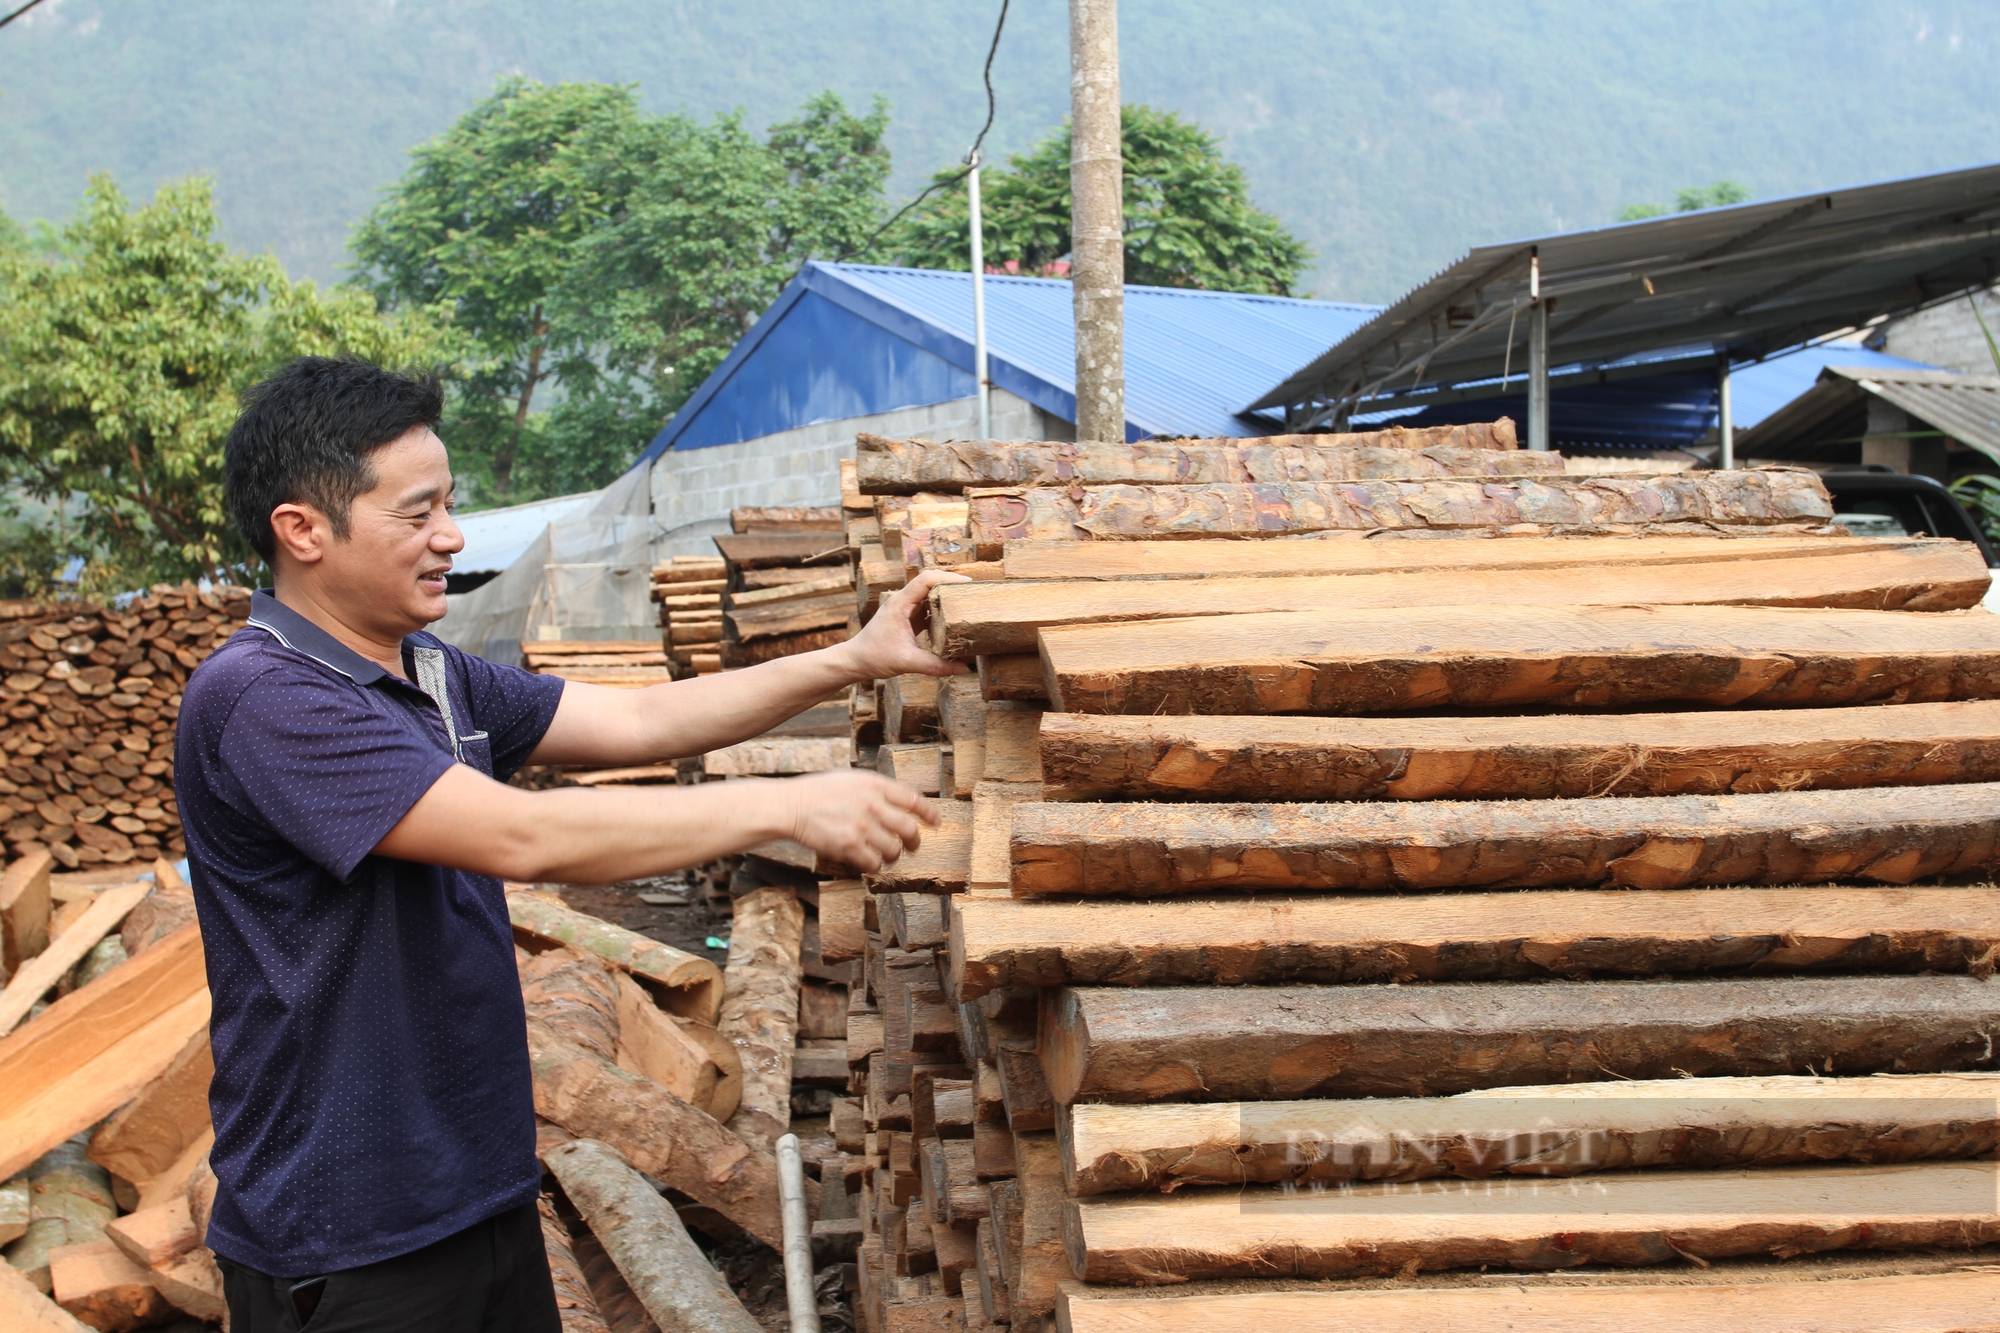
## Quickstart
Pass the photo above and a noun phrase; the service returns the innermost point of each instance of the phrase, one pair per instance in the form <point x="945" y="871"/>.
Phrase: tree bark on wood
<point x="657" y="1046"/>
<point x="576" y="995"/>
<point x="1589" y="657"/>
<point x="577" y="1307"/>
<point x="1228" y="1044"/>
<point x="1418" y="552"/>
<point x="617" y="1304"/>
<point x="1638" y="1219"/>
<point x="1097" y="220"/>
<point x="168" y="1117"/>
<point x="1564" y="1130"/>
<point x="968" y="619"/>
<point x="1890" y="834"/>
<point x="1693" y="501"/>
<point x="1942" y="1302"/>
<point x="760" y="1009"/>
<point x="904" y="467"/>
<point x="1039" y="1262"/>
<point x="646" y="1239"/>
<point x="91" y="1051"/>
<point x="1091" y="757"/>
<point x="684" y="984"/>
<point x="657" y="1132"/>
<point x="1338" y="940"/>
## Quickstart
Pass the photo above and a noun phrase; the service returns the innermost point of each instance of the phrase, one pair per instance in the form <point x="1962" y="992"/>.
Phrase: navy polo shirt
<point x="371" y="1091"/>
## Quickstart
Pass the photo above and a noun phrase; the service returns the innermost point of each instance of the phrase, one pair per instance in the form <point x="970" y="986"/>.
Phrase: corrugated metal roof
<point x="1748" y="280"/>
<point x="1191" y="357"/>
<point x="1834" y="410"/>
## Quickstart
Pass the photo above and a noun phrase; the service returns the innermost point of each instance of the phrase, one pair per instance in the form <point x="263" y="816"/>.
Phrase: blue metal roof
<point x="847" y="340"/>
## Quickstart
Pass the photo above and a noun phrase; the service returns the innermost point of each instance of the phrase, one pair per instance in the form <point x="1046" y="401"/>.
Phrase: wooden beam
<point x="1013" y="748"/>
<point x="940" y="865"/>
<point x="999" y="942"/>
<point x="1088" y="757"/>
<point x="1890" y="834"/>
<point x="1349" y="662"/>
<point x="1259" y="1044"/>
<point x="910" y="708"/>
<point x="1038" y="1261"/>
<point x="1564" y="1130"/>
<point x="93" y="1050"/>
<point x="760" y="1009"/>
<point x="1012" y="676"/>
<point x="904" y="467"/>
<point x="1696" y="501"/>
<point x="993" y="830"/>
<point x="968" y="619"/>
<point x="1389" y="553"/>
<point x="1912" y="1303"/>
<point x="151" y="1132"/>
<point x="683" y="984"/>
<point x="1622" y="1220"/>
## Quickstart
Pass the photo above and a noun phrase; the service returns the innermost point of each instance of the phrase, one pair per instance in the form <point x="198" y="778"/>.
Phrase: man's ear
<point x="301" y="532"/>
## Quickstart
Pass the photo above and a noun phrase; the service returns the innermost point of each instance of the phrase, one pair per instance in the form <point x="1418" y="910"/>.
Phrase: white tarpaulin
<point x="588" y="575"/>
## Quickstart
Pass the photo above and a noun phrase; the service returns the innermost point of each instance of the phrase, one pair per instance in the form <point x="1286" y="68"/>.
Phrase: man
<point x="341" y="777"/>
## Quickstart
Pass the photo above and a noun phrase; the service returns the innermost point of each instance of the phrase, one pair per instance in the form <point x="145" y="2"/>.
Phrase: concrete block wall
<point x="1947" y="336"/>
<point x="694" y="489"/>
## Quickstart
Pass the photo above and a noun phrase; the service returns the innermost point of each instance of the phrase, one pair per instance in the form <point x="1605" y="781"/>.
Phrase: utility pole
<point x="1097" y="220"/>
<point x="978" y="296"/>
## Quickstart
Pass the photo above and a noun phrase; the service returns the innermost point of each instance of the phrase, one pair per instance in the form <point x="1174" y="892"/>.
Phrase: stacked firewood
<point x="788" y="588"/>
<point x="90" y="694"/>
<point x="1342" y="835"/>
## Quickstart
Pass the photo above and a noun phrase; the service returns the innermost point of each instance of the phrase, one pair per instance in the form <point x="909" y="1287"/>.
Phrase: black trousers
<point x="492" y="1277"/>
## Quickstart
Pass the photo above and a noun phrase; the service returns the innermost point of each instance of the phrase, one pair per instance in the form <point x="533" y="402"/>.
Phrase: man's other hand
<point x="888" y="646"/>
<point x="856" y="816"/>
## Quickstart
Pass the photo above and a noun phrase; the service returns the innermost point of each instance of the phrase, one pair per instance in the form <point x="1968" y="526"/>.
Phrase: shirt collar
<point x="302" y="636"/>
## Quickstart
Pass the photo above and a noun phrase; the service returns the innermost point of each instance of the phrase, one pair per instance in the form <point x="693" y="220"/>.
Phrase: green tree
<point x="1189" y="221"/>
<point x="124" y="344"/>
<point x="715" y="224"/>
<point x="1713" y="195"/>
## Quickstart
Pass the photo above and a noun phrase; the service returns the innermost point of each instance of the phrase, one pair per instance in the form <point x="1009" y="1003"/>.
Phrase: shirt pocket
<point x="476" y="751"/>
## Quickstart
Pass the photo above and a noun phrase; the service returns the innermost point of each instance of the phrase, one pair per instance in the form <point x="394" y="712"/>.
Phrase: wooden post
<point x="760" y="1009"/>
<point x="1097" y="222"/>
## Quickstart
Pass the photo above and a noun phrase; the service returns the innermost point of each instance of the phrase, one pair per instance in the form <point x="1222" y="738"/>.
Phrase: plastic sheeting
<point x="587" y="575"/>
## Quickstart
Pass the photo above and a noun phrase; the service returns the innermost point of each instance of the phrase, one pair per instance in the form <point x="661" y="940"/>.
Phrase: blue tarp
<point x="848" y="340"/>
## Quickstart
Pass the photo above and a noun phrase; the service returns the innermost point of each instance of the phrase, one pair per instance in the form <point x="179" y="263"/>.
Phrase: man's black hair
<point x="305" y="436"/>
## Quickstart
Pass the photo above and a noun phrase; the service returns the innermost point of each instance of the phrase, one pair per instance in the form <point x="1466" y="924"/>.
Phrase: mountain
<point x="1389" y="136"/>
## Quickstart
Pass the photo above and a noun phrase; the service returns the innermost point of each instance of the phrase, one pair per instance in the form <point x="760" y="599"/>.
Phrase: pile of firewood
<point x="788" y="588"/>
<point x="1234" y="959"/>
<point x="90" y="695"/>
<point x="689" y="591"/>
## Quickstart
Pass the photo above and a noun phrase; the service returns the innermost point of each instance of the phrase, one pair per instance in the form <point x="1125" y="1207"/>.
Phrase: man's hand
<point x="857" y="816"/>
<point x="888" y="645"/>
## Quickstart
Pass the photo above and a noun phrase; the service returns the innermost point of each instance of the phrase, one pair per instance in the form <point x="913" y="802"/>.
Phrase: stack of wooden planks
<point x="689" y="591"/>
<point x="788" y="588"/>
<point x="1442" y="890"/>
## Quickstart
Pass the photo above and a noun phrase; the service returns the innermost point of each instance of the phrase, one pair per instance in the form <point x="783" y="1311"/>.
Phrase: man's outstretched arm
<point x="468" y="821"/>
<point x="605" y="728"/>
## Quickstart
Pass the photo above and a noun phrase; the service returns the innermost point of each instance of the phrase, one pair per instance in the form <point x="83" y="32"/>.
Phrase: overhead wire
<point x="25" y="8"/>
<point x="970" y="160"/>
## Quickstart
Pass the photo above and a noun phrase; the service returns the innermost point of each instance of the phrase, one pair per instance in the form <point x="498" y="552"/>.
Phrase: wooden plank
<point x="1906" y="1303"/>
<point x="992" y="832"/>
<point x="651" y="657"/>
<point x="1624" y="1220"/>
<point x="1565" y="1130"/>
<point x="968" y="619"/>
<point x="1260" y="1044"/>
<point x="1348" y="662"/>
<point x="24" y="909"/>
<point x="904" y="467"/>
<point x="683" y="984"/>
<point x="1699" y="501"/>
<point x="1012" y="676"/>
<point x="1099" y="757"/>
<point x="654" y="1045"/>
<point x="785" y="754"/>
<point x="24" y="1309"/>
<point x="1013" y="751"/>
<point x="93" y="1050"/>
<point x="574" y="647"/>
<point x="40" y="973"/>
<point x="151" y="1132"/>
<point x="1890" y="834"/>
<point x="1038" y="1261"/>
<point x="766" y="551"/>
<point x="1390" y="553"/>
<point x="785" y="518"/>
<point x="918" y="767"/>
<point x="842" y="582"/>
<point x="99" y="1284"/>
<point x="792" y="617"/>
<point x="940" y="865"/>
<point x="999" y="942"/>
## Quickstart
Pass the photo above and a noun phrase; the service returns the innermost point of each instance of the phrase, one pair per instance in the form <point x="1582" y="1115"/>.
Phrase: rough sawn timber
<point x="1146" y="1044"/>
<point x="1889" y="834"/>
<point x="1625" y="1220"/>
<point x="968" y="619"/>
<point x="1329" y="939"/>
<point x="1396" y="660"/>
<point x="1758" y="1301"/>
<point x="940" y="865"/>
<point x="1563" y="1130"/>
<point x="904" y="467"/>
<point x="1394" y="553"/>
<point x="1089" y="757"/>
<point x="760" y="1009"/>
<point x="1694" y="501"/>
